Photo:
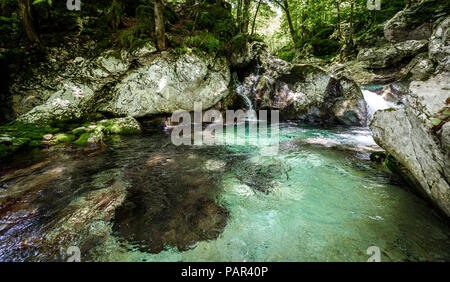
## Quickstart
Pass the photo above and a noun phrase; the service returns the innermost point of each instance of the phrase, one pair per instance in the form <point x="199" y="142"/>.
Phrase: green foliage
<point x="115" y="14"/>
<point x="213" y="28"/>
<point x="132" y="39"/>
<point x="323" y="47"/>
<point x="204" y="41"/>
<point x="42" y="8"/>
<point x="77" y="132"/>
<point x="238" y="42"/>
<point x="435" y="121"/>
<point x="316" y="23"/>
<point x="145" y="19"/>
<point x="11" y="29"/>
<point x="287" y="55"/>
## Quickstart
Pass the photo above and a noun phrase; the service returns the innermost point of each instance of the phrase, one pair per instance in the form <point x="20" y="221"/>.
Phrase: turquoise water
<point x="143" y="199"/>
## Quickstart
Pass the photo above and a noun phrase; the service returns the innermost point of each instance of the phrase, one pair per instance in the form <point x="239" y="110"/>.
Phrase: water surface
<point x="143" y="199"/>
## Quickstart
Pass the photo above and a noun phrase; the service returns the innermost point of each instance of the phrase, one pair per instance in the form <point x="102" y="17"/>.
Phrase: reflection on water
<point x="143" y="199"/>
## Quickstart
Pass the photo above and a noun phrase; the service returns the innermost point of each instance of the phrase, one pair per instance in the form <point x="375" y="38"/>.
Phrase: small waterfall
<point x="376" y="102"/>
<point x="247" y="89"/>
<point x="241" y="92"/>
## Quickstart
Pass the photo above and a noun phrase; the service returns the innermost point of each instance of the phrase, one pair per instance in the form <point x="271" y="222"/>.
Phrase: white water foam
<point x="375" y="103"/>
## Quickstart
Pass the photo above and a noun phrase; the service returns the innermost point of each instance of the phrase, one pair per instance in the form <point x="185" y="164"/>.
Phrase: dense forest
<point x="292" y="29"/>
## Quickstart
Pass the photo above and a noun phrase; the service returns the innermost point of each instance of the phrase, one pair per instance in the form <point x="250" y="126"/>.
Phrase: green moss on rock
<point x="64" y="138"/>
<point x="123" y="126"/>
<point x="17" y="136"/>
<point x="78" y="131"/>
<point x="81" y="141"/>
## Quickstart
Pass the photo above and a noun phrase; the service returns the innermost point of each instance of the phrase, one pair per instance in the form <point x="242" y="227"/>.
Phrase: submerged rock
<point x="412" y="135"/>
<point x="164" y="208"/>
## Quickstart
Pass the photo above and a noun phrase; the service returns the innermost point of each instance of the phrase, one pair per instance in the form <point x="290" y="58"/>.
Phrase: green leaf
<point x="435" y="121"/>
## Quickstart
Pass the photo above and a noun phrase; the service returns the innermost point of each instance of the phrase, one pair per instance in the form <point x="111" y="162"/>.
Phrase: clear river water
<point x="141" y="198"/>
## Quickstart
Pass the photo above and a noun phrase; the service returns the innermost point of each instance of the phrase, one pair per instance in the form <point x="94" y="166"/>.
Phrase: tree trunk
<point x="338" y="18"/>
<point x="24" y="7"/>
<point x="116" y="14"/>
<point x="254" y="18"/>
<point x="350" y="37"/>
<point x="159" y="26"/>
<point x="288" y="17"/>
<point x="245" y="16"/>
<point x="304" y="17"/>
<point x="238" y="15"/>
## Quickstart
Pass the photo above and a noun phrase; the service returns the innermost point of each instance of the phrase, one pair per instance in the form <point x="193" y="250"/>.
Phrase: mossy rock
<point x="33" y="132"/>
<point x="81" y="141"/>
<point x="78" y="131"/>
<point x="18" y="136"/>
<point x="64" y="138"/>
<point x="122" y="126"/>
<point x="35" y="143"/>
<point x="302" y="70"/>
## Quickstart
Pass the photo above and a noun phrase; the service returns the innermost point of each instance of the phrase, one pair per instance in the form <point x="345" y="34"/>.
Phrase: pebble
<point x="48" y="137"/>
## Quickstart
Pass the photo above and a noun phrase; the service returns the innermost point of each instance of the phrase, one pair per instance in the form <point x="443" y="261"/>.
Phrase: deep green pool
<point x="143" y="199"/>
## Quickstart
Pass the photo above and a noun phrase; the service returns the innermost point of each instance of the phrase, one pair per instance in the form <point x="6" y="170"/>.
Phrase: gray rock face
<point x="410" y="136"/>
<point x="168" y="84"/>
<point x="420" y="68"/>
<point x="311" y="94"/>
<point x="69" y="103"/>
<point x="439" y="47"/>
<point x="161" y="83"/>
<point x="391" y="54"/>
<point x="415" y="22"/>
<point x="62" y="75"/>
